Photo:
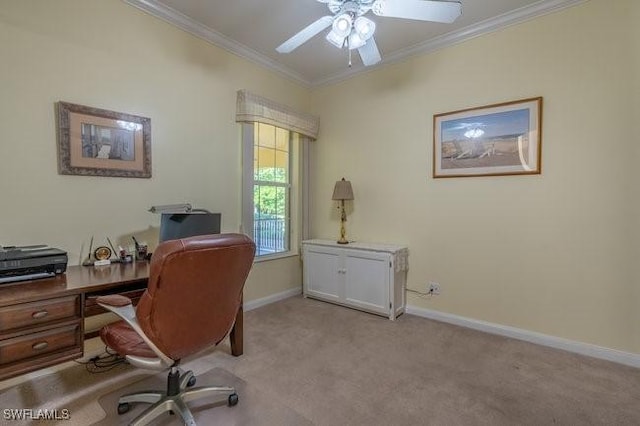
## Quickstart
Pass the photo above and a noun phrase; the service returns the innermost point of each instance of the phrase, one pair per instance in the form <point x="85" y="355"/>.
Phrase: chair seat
<point x="125" y="341"/>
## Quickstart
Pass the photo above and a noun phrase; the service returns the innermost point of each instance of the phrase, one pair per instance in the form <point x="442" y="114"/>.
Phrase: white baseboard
<point x="254" y="304"/>
<point x="626" y="358"/>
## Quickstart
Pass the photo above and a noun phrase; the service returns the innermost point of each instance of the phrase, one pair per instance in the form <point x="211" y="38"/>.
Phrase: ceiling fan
<point x="351" y="29"/>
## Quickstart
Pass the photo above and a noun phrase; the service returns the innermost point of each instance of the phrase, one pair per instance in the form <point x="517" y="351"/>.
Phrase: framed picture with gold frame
<point x="99" y="142"/>
<point x="493" y="140"/>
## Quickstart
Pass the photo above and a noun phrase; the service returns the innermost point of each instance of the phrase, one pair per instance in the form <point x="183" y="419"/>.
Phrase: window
<point x="271" y="186"/>
<point x="275" y="171"/>
<point x="271" y="177"/>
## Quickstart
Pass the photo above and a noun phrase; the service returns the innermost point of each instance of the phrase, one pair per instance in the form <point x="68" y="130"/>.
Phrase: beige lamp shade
<point x="342" y="190"/>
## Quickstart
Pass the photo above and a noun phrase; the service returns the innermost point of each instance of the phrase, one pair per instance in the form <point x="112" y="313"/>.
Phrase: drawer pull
<point x="39" y="346"/>
<point x="39" y="314"/>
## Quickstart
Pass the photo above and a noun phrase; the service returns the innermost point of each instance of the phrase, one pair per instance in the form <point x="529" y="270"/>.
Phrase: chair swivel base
<point x="162" y="403"/>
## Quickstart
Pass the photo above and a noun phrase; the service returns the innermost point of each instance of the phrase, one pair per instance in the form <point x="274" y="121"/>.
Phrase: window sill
<point x="276" y="256"/>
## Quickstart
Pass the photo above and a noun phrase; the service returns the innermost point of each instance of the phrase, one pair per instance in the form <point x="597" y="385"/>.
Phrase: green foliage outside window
<point x="269" y="200"/>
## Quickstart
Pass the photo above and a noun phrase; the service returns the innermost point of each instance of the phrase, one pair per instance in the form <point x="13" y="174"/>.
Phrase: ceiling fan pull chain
<point x="349" y="50"/>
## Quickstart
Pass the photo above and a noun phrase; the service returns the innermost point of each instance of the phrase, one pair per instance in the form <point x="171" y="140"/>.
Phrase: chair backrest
<point x="194" y="291"/>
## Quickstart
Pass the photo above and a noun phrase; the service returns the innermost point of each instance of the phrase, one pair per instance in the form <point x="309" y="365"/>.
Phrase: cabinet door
<point x="322" y="273"/>
<point x="367" y="280"/>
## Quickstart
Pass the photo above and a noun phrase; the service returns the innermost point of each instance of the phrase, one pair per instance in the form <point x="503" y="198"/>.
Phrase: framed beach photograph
<point x="99" y="142"/>
<point x="493" y="140"/>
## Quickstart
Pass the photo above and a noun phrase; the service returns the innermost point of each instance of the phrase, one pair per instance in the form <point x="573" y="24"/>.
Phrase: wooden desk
<point x="42" y="321"/>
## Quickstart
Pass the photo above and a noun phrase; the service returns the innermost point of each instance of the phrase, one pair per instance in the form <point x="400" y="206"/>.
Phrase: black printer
<point x="31" y="262"/>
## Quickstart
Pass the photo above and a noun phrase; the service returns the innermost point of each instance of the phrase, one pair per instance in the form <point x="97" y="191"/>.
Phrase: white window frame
<point x="298" y="228"/>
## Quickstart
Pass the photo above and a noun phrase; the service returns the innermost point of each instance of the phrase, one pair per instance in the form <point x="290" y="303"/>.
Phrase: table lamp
<point x="341" y="192"/>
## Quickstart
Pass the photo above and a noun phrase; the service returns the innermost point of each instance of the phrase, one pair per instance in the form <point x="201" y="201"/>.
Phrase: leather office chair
<point x="192" y="298"/>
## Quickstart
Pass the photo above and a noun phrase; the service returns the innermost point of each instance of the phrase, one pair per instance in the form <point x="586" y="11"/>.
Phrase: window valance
<point x="253" y="108"/>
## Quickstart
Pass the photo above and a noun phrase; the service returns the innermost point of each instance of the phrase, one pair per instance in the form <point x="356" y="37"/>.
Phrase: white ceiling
<point x="254" y="28"/>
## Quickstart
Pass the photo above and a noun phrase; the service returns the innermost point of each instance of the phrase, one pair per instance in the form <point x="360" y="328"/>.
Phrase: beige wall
<point x="552" y="253"/>
<point x="555" y="253"/>
<point x="110" y="55"/>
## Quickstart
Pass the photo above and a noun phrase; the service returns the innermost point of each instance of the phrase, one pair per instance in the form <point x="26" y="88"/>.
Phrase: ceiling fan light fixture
<point x="342" y="24"/>
<point x="355" y="41"/>
<point x="364" y="27"/>
<point x="336" y="39"/>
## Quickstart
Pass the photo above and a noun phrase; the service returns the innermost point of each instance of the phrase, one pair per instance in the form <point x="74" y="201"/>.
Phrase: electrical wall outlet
<point x="433" y="288"/>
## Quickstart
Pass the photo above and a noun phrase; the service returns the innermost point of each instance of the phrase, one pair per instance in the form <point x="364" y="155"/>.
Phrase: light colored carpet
<point x="330" y="365"/>
<point x="256" y="408"/>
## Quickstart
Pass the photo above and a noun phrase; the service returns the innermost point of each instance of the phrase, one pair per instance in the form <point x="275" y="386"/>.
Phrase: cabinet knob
<point x="39" y="314"/>
<point x="39" y="346"/>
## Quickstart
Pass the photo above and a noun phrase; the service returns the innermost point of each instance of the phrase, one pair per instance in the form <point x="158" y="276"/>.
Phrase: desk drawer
<point x="40" y="312"/>
<point x="41" y="343"/>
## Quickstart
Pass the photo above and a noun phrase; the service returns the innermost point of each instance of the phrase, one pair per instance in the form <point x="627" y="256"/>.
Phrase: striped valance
<point x="254" y="108"/>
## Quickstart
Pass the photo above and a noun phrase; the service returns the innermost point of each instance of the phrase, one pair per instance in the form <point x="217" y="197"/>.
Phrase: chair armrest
<point x="114" y="300"/>
<point x="122" y="307"/>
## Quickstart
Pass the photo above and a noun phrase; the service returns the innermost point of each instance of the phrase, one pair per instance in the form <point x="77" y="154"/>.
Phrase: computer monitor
<point x="174" y="226"/>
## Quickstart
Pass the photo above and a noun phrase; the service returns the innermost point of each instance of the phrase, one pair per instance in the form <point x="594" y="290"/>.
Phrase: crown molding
<point x="199" y="30"/>
<point x="487" y="26"/>
<point x="526" y="13"/>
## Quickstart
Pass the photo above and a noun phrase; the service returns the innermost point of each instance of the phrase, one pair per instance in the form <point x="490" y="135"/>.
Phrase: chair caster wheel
<point x="123" y="408"/>
<point x="233" y="399"/>
<point x="191" y="382"/>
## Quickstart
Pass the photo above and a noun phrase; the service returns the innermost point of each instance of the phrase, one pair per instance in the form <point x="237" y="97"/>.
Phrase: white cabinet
<point x="370" y="277"/>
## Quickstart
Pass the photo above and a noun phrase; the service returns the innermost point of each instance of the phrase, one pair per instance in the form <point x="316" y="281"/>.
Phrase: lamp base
<point x="343" y="219"/>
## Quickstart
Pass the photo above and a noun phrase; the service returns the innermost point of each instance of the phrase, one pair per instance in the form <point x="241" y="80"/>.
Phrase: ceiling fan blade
<point x="304" y="35"/>
<point x="369" y="53"/>
<point x="421" y="10"/>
